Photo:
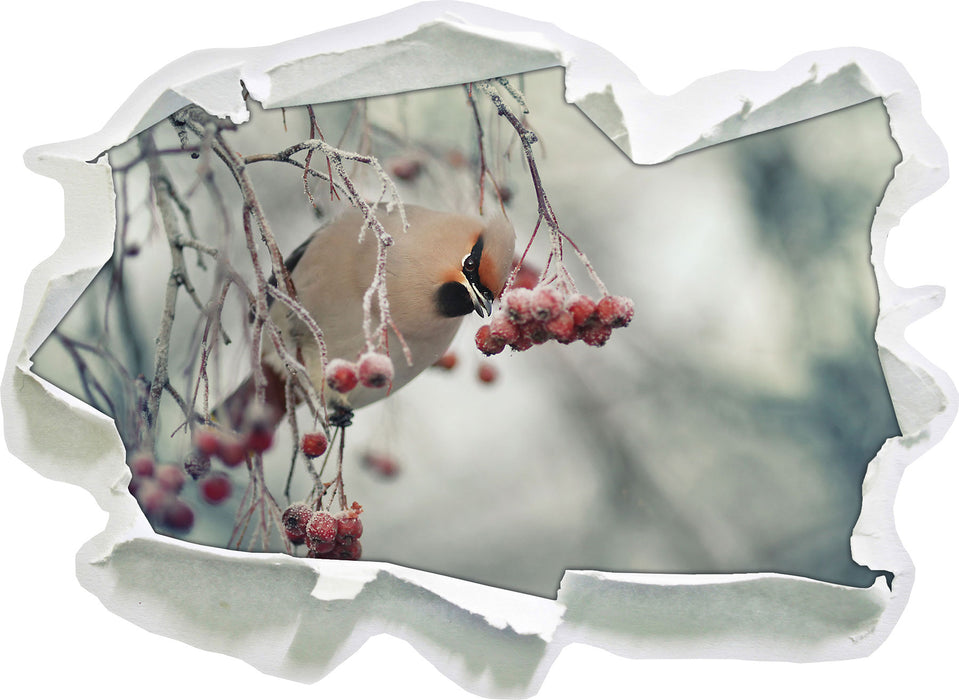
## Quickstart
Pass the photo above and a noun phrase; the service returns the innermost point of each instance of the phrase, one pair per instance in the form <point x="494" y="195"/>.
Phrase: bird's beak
<point x="482" y="305"/>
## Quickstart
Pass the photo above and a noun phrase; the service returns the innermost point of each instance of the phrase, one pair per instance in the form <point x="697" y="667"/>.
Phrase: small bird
<point x="442" y="268"/>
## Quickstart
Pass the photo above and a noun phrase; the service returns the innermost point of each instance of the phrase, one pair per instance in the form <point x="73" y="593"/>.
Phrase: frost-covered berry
<point x="322" y="527"/>
<point x="352" y="550"/>
<point x="547" y="302"/>
<point x="348" y="526"/>
<point x="376" y="370"/>
<point x="342" y="376"/>
<point x="562" y="328"/>
<point x="518" y="305"/>
<point x="207" y="442"/>
<point x="581" y="307"/>
<point x="314" y="444"/>
<point x="177" y="515"/>
<point x="259" y="436"/>
<point x="524" y="342"/>
<point x="142" y="464"/>
<point x="215" y="488"/>
<point x="487" y="373"/>
<point x="447" y="361"/>
<point x="596" y="335"/>
<point x="487" y="344"/>
<point x="231" y="451"/>
<point x="318" y="548"/>
<point x="295" y="518"/>
<point x="502" y="328"/>
<point x="615" y="312"/>
<point x="170" y="477"/>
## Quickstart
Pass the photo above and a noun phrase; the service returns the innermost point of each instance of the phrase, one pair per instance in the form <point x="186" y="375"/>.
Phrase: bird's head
<point x="478" y="270"/>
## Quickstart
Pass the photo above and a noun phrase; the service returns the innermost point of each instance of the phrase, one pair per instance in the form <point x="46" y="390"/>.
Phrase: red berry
<point x="178" y="515"/>
<point x="563" y="328"/>
<point x="215" y="488"/>
<point x="321" y="527"/>
<point x="259" y="438"/>
<point x="142" y="464"/>
<point x="376" y="370"/>
<point x="614" y="311"/>
<point x="314" y="444"/>
<point x="352" y="550"/>
<point x="341" y="376"/>
<point x="547" y="302"/>
<point x="447" y="361"/>
<point x="524" y="342"/>
<point x="295" y="519"/>
<point x="320" y="547"/>
<point x="596" y="335"/>
<point x="518" y="304"/>
<point x="152" y="496"/>
<point x="207" y="441"/>
<point x="487" y="373"/>
<point x="348" y="526"/>
<point x="581" y="307"/>
<point x="404" y="168"/>
<point x="170" y="477"/>
<point x="381" y="464"/>
<point x="502" y="328"/>
<point x="231" y="451"/>
<point x="527" y="276"/>
<point x="487" y="344"/>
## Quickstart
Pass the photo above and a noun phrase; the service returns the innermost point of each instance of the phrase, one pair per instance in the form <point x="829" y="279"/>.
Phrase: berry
<point x="231" y="451"/>
<point x="207" y="442"/>
<point x="376" y="370"/>
<point x="314" y="444"/>
<point x="518" y="304"/>
<point x="487" y="344"/>
<point x="381" y="464"/>
<point x="487" y="373"/>
<point x="562" y="328"/>
<point x="152" y="496"/>
<point x="259" y="436"/>
<point x="502" y="328"/>
<point x="142" y="464"/>
<point x="348" y="526"/>
<point x="527" y="277"/>
<point x="616" y="312"/>
<point x="581" y="307"/>
<point x="197" y="465"/>
<point x="447" y="361"/>
<point x="596" y="335"/>
<point x="546" y="303"/>
<point x="348" y="550"/>
<point x="319" y="548"/>
<point x="524" y="342"/>
<point x="170" y="477"/>
<point x="178" y="515"/>
<point x="321" y="528"/>
<point x="404" y="168"/>
<point x="215" y="488"/>
<point x="295" y="519"/>
<point x="341" y="376"/>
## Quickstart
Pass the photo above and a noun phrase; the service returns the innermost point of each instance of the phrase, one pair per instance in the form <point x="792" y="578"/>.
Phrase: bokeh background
<point x="726" y="430"/>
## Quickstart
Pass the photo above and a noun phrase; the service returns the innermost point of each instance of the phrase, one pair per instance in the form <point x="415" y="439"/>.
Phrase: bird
<point x="442" y="268"/>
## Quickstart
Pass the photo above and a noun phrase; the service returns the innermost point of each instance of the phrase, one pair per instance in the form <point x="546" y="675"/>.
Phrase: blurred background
<point x="727" y="429"/>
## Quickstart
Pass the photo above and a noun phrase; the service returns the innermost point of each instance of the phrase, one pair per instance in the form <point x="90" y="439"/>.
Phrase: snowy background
<point x="671" y="59"/>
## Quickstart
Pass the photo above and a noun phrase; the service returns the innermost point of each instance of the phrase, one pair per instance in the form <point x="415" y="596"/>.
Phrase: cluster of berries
<point x="327" y="535"/>
<point x="529" y="317"/>
<point x="157" y="489"/>
<point x="372" y="370"/>
<point x="233" y="448"/>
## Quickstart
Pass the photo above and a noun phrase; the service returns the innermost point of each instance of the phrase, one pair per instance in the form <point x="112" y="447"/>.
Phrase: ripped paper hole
<point x="635" y="614"/>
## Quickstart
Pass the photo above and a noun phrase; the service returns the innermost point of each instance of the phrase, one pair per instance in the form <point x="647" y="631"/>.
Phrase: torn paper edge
<point x="639" y="615"/>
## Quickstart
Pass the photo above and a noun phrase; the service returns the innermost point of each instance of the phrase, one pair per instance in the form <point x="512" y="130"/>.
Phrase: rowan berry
<point x="447" y="361"/>
<point x="207" y="441"/>
<point x="322" y="527"/>
<point x="170" y="477"/>
<point x="348" y="526"/>
<point x="231" y="451"/>
<point x="341" y="376"/>
<point x="502" y="328"/>
<point x="487" y="344"/>
<point x="487" y="373"/>
<point x="596" y="335"/>
<point x="581" y="307"/>
<point x="562" y="328"/>
<point x="295" y="518"/>
<point x="215" y="488"/>
<point x="314" y="444"/>
<point x="177" y="515"/>
<point x="615" y="312"/>
<point x="142" y="464"/>
<point x="546" y="302"/>
<point x="518" y="304"/>
<point x="376" y="370"/>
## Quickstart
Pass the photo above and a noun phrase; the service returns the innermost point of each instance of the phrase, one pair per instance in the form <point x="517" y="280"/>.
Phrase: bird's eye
<point x="469" y="263"/>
